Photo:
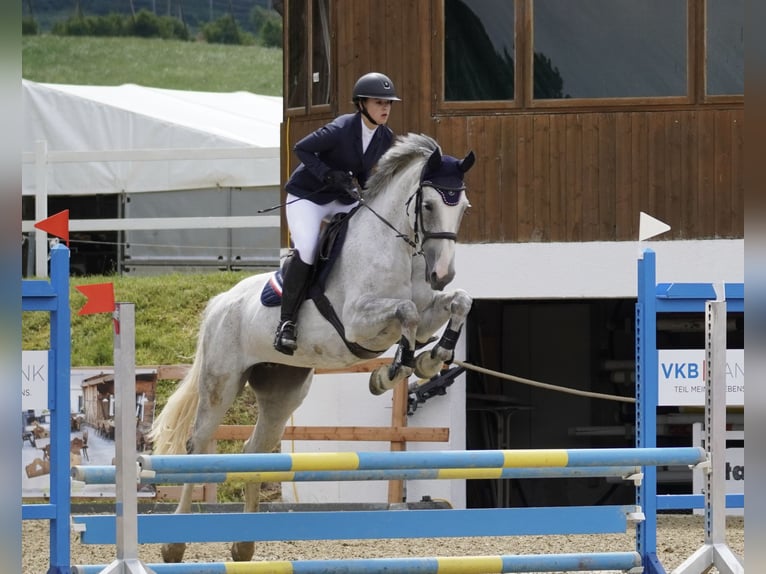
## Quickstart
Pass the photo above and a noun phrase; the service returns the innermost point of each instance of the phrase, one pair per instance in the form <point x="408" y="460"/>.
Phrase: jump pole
<point x="125" y="444"/>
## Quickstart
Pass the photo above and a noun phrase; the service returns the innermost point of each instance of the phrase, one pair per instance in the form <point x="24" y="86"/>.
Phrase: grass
<point x="174" y="64"/>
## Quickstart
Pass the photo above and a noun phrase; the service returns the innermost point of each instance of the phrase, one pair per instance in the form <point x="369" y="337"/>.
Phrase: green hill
<point x="176" y="65"/>
<point x="192" y="12"/>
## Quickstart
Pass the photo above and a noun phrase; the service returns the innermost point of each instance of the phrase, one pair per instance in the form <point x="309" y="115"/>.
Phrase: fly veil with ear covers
<point x="445" y="174"/>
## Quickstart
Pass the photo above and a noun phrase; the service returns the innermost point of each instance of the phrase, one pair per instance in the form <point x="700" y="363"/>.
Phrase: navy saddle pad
<point x="271" y="295"/>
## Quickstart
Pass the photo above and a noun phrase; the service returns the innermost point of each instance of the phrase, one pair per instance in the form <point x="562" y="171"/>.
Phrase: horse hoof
<point x="242" y="551"/>
<point x="377" y="385"/>
<point x="425" y="366"/>
<point x="173" y="553"/>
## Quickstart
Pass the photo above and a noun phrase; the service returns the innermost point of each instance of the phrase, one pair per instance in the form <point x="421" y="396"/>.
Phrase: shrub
<point x="146" y="24"/>
<point x="72" y="26"/>
<point x="224" y="30"/>
<point x="109" y="25"/>
<point x="271" y="33"/>
<point x="29" y="27"/>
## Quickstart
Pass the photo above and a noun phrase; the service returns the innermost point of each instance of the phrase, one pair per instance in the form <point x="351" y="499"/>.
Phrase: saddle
<point x="331" y="240"/>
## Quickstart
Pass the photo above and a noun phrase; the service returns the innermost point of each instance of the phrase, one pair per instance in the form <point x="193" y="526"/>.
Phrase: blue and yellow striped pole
<point x="532" y="458"/>
<point x="622" y="561"/>
<point x="106" y="474"/>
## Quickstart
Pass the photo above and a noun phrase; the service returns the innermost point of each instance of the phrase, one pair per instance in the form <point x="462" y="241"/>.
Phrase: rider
<point x="334" y="159"/>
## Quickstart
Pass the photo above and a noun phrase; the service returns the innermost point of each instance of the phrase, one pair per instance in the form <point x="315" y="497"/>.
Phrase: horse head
<point x="417" y="186"/>
<point x="442" y="203"/>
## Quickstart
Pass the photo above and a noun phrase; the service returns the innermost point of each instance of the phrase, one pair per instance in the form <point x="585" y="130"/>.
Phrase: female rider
<point x="334" y="159"/>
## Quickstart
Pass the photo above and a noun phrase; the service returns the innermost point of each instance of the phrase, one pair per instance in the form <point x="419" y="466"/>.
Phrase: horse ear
<point x="467" y="162"/>
<point x="435" y="161"/>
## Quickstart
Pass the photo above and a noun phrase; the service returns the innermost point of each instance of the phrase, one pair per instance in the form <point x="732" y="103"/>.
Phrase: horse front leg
<point x="454" y="309"/>
<point x="385" y="378"/>
<point x="373" y="323"/>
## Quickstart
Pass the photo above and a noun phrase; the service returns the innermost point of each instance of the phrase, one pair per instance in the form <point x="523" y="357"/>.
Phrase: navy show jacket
<point x="336" y="146"/>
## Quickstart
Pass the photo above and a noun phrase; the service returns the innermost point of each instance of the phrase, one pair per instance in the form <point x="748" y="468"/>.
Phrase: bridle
<point x="417" y="243"/>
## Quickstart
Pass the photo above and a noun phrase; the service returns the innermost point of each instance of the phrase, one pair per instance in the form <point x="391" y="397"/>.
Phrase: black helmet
<point x="374" y="85"/>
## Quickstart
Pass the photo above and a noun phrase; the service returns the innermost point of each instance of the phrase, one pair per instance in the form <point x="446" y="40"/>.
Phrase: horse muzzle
<point x="440" y="268"/>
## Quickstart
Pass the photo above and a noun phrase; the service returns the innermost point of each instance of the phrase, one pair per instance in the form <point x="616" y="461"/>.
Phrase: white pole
<point x="126" y="476"/>
<point x="41" y="207"/>
<point x="714" y="552"/>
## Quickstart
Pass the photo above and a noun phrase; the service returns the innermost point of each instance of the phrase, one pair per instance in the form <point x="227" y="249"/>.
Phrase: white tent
<point x="104" y="119"/>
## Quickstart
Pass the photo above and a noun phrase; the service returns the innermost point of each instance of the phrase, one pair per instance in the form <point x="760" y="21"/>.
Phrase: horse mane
<point x="406" y="149"/>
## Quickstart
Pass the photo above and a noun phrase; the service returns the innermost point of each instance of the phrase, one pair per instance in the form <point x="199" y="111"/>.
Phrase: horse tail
<point x="172" y="427"/>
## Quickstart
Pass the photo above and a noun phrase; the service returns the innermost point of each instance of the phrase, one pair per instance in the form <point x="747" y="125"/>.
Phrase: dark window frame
<point x="307" y="35"/>
<point x="524" y="71"/>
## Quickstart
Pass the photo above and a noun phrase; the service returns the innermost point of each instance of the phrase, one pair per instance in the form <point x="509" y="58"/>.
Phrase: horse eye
<point x="428" y="206"/>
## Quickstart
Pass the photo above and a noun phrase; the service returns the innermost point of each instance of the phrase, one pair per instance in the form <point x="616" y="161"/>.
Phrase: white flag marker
<point x="649" y="226"/>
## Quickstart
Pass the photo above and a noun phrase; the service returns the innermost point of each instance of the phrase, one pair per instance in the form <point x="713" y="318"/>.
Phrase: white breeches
<point x="304" y="218"/>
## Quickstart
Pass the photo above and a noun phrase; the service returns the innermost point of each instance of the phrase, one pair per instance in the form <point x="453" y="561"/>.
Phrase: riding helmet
<point x="375" y="85"/>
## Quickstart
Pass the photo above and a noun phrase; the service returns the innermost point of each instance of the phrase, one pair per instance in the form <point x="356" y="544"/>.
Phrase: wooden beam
<point x="177" y="372"/>
<point x="399" y="404"/>
<point x="397" y="434"/>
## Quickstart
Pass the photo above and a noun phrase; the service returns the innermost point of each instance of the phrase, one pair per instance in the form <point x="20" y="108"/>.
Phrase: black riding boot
<point x="294" y="286"/>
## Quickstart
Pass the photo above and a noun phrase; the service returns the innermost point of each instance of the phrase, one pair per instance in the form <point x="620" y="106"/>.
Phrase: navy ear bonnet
<point x="445" y="174"/>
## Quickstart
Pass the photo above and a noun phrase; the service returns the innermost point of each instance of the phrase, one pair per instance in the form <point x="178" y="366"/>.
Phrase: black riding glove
<point x="342" y="181"/>
<point x="339" y="178"/>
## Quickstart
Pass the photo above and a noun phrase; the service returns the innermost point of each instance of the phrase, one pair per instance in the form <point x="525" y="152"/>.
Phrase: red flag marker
<point x="57" y="225"/>
<point x="100" y="298"/>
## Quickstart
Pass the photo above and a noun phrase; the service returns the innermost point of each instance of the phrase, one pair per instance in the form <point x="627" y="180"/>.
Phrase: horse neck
<point x="397" y="203"/>
<point x="376" y="231"/>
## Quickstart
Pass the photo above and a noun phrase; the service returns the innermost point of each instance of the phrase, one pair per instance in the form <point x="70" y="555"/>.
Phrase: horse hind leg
<point x="279" y="390"/>
<point x="216" y="395"/>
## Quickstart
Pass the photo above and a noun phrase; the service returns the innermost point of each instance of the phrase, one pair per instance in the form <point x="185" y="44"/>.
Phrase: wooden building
<point x="582" y="114"/>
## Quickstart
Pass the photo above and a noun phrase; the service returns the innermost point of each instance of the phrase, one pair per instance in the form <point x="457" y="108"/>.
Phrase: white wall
<point x="590" y="270"/>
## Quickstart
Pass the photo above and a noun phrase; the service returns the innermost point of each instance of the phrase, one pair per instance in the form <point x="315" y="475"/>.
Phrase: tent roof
<point x="132" y="117"/>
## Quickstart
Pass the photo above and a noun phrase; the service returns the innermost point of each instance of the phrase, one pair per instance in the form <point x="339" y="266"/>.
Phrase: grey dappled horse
<point x="387" y="288"/>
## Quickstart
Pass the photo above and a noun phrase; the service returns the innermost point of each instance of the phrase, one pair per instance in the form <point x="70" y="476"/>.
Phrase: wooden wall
<point x="546" y="174"/>
<point x="586" y="176"/>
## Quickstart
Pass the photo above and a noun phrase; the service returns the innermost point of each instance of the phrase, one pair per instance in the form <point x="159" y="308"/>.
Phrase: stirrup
<point x="285" y="341"/>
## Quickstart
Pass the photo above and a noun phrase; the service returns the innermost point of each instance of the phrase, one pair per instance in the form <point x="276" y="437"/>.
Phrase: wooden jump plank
<point x="351" y="433"/>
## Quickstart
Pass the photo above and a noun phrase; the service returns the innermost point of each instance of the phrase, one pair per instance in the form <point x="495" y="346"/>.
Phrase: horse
<point x="386" y="287"/>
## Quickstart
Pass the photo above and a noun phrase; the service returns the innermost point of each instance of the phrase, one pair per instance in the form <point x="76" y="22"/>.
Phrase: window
<point x="308" y="57"/>
<point x="725" y="47"/>
<point x="609" y="48"/>
<point x="296" y="56"/>
<point x="479" y="50"/>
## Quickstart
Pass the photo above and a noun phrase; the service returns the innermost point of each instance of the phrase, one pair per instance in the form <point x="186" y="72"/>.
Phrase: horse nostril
<point x="437" y="284"/>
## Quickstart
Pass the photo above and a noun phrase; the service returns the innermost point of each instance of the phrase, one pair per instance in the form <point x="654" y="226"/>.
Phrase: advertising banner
<point x="682" y="377"/>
